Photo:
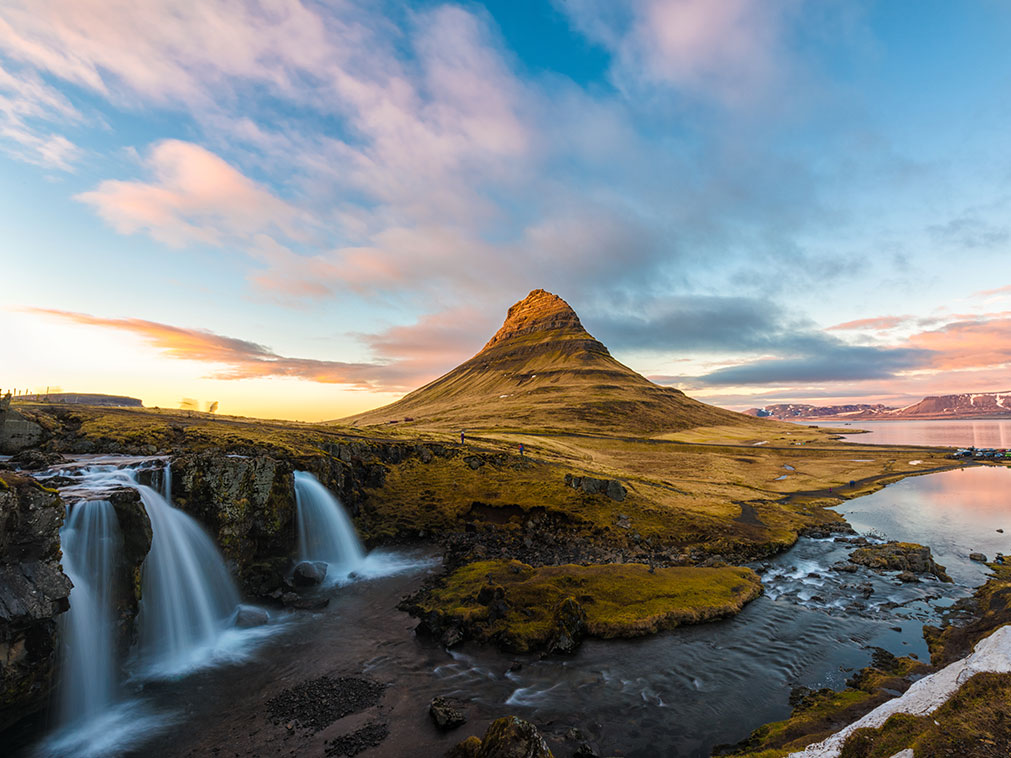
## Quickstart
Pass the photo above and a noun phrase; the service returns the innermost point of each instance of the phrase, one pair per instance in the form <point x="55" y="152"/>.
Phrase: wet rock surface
<point x="569" y="627"/>
<point x="247" y="502"/>
<point x="309" y="573"/>
<point x="34" y="591"/>
<point x="446" y="713"/>
<point x="316" y="703"/>
<point x="370" y="735"/>
<point x="508" y="737"/>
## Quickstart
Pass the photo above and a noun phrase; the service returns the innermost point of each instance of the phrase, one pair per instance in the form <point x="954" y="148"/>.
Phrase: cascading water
<point x="325" y="533"/>
<point x="167" y="482"/>
<point x="188" y="596"/>
<point x="186" y="617"/>
<point x="91" y="545"/>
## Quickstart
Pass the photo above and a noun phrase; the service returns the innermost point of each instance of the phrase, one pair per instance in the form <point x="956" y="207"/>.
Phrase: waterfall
<point x="188" y="596"/>
<point x="167" y="481"/>
<point x="91" y="544"/>
<point x="325" y="532"/>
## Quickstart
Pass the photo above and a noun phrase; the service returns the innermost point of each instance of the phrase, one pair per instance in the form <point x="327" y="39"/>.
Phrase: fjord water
<point x="325" y="533"/>
<point x="944" y="432"/>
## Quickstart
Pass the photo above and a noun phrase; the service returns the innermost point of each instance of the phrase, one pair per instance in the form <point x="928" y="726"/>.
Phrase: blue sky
<point x="304" y="209"/>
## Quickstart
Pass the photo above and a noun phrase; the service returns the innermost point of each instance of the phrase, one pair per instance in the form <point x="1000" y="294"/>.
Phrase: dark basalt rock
<point x="34" y="591"/>
<point x="35" y="460"/>
<point x="314" y="704"/>
<point x="370" y="735"/>
<point x="309" y="573"/>
<point x="446" y="713"/>
<point x="249" y="617"/>
<point x="247" y="502"/>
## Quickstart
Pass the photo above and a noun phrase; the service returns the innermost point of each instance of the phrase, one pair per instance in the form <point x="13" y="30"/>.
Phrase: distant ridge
<point x="543" y="370"/>
<point x="968" y="405"/>
<point x="84" y="398"/>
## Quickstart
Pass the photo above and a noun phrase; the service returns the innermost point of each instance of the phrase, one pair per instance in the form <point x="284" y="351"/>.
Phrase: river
<point x="678" y="693"/>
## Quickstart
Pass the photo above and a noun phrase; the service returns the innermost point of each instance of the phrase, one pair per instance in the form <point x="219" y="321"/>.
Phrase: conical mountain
<point x="543" y="371"/>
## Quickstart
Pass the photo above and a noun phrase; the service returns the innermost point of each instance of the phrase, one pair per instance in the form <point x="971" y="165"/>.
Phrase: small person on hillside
<point x="462" y="437"/>
<point x="521" y="448"/>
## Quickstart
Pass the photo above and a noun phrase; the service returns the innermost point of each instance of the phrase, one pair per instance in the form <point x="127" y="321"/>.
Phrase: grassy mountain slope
<point x="543" y="371"/>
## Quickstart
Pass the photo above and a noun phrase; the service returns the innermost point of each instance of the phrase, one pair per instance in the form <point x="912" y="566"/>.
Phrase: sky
<point x="305" y="209"/>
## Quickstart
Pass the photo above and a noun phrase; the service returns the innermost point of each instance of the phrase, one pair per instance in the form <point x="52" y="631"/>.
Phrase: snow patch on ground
<point x="927" y="695"/>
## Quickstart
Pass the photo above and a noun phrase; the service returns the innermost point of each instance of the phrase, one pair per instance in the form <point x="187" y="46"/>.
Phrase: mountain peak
<point x="540" y="311"/>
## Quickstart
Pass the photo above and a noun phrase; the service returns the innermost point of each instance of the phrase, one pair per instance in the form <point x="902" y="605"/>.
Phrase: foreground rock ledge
<point x="33" y="592"/>
<point x="551" y="608"/>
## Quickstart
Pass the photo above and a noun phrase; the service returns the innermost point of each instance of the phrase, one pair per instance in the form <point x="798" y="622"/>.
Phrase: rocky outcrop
<point x="18" y="432"/>
<point x="591" y="486"/>
<point x="569" y="622"/>
<point x="508" y="737"/>
<point x="248" y="503"/>
<point x="34" y="591"/>
<point x="899" y="556"/>
<point x="135" y="528"/>
<point x="446" y="713"/>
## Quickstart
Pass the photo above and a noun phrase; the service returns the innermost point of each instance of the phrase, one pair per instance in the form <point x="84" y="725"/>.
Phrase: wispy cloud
<point x="27" y="107"/>
<point x="874" y="324"/>
<point x="730" y="51"/>
<point x="242" y="359"/>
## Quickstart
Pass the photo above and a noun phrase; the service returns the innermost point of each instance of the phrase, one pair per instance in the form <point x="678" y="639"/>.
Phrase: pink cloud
<point x="983" y="342"/>
<point x="730" y="50"/>
<point x="876" y="324"/>
<point x="1005" y="290"/>
<point x="194" y="196"/>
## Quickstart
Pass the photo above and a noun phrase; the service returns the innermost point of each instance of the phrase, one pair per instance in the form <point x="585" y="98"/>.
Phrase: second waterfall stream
<point x="325" y="533"/>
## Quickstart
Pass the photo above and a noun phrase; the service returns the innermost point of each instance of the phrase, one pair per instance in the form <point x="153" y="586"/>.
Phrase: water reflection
<point x="945" y="433"/>
<point x="954" y="512"/>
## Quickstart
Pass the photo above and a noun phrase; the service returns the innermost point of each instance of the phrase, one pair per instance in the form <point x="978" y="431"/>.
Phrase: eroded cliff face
<point x="17" y="432"/>
<point x="247" y="502"/>
<point x="34" y="591"/>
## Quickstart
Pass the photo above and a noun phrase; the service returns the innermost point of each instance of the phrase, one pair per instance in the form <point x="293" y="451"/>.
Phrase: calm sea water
<point x="950" y="433"/>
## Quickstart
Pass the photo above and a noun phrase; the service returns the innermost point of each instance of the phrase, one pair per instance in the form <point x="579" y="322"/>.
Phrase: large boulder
<point x="34" y="591"/>
<point x="569" y="623"/>
<point x="248" y="503"/>
<point x="446" y="713"/>
<point x="18" y="432"/>
<point x="612" y="488"/>
<point x="899" y="556"/>
<point x="508" y="737"/>
<point x="309" y="573"/>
